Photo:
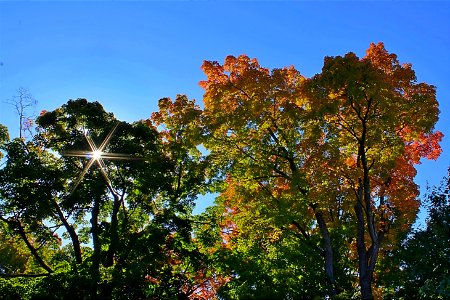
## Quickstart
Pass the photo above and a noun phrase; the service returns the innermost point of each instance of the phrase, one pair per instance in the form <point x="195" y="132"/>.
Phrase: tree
<point x="123" y="194"/>
<point x="336" y="151"/>
<point x="25" y="202"/>
<point x="181" y="131"/>
<point x="378" y="122"/>
<point x="420" y="267"/>
<point x="4" y="136"/>
<point x="22" y="102"/>
<point x="256" y="127"/>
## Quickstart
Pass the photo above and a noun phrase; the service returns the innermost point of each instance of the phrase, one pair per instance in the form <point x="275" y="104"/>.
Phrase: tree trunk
<point x="328" y="251"/>
<point x="97" y="248"/>
<point x="73" y="235"/>
<point x="114" y="236"/>
<point x="32" y="249"/>
<point x="364" y="208"/>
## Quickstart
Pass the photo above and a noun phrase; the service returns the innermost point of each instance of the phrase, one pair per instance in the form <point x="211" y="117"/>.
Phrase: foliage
<point x="330" y="155"/>
<point x="123" y="216"/>
<point x="421" y="264"/>
<point x="314" y="178"/>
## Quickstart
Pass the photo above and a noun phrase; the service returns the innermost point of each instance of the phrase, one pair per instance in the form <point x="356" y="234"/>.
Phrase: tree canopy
<point x="314" y="180"/>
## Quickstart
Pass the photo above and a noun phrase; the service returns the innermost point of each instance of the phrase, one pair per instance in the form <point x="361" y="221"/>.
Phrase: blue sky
<point x="127" y="55"/>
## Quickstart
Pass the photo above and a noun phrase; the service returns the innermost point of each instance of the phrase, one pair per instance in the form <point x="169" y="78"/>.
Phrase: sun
<point x="97" y="154"/>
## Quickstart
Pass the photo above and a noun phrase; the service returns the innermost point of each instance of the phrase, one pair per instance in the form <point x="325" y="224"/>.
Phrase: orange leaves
<point x="351" y="161"/>
<point x="248" y="91"/>
<point x="380" y="58"/>
<point x="228" y="231"/>
<point x="205" y="286"/>
<point x="215" y="74"/>
<point x="426" y="145"/>
<point x="242" y="66"/>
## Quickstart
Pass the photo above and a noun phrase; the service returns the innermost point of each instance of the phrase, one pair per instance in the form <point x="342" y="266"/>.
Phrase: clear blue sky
<point x="127" y="55"/>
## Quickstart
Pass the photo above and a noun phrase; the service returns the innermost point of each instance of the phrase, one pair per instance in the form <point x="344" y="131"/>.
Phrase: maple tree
<point x="338" y="148"/>
<point x="380" y="122"/>
<point x="256" y="124"/>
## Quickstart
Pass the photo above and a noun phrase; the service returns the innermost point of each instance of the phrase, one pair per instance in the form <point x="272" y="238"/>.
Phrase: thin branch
<point x="24" y="275"/>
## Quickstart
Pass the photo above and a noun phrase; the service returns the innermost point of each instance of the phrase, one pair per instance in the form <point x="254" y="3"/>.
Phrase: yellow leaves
<point x="179" y="120"/>
<point x="274" y="235"/>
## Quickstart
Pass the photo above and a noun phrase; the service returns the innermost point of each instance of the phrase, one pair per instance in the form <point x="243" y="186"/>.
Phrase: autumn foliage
<point x="337" y="150"/>
<point x="313" y="177"/>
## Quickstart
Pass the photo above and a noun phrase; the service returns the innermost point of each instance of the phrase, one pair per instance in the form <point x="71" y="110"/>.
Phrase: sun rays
<point x="96" y="155"/>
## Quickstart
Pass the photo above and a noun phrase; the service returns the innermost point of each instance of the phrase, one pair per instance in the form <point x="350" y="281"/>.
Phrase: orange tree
<point x="377" y="122"/>
<point x="258" y="138"/>
<point x="331" y="155"/>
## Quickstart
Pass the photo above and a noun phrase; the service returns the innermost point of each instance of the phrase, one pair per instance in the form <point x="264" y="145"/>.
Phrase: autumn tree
<point x="336" y="151"/>
<point x="377" y="122"/>
<point x="256" y="126"/>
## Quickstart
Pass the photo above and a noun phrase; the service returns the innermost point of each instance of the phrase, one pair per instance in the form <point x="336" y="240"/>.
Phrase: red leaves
<point x="426" y="145"/>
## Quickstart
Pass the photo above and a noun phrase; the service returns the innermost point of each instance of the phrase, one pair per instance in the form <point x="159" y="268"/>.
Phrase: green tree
<point x="420" y="267"/>
<point x="122" y="193"/>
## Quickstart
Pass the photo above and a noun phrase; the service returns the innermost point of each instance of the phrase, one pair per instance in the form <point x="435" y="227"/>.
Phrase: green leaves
<point x="314" y="176"/>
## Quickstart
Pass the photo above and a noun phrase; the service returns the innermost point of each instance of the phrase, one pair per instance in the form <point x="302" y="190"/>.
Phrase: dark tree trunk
<point x="97" y="248"/>
<point x="114" y="235"/>
<point x="365" y="278"/>
<point x="73" y="235"/>
<point x="95" y="234"/>
<point x="328" y="251"/>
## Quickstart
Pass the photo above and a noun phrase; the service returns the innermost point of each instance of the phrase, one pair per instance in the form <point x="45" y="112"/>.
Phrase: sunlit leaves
<point x="305" y="168"/>
<point x="292" y="146"/>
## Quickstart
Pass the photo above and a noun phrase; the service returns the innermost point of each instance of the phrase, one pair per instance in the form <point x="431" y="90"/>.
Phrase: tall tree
<point x="121" y="181"/>
<point x="377" y="122"/>
<point x="334" y="151"/>
<point x="257" y="134"/>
